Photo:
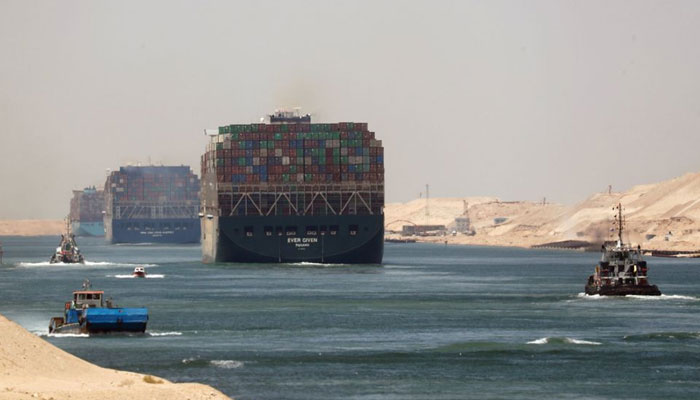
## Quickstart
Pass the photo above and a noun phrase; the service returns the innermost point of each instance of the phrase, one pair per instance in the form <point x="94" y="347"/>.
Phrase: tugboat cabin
<point x="88" y="298"/>
<point x="622" y="265"/>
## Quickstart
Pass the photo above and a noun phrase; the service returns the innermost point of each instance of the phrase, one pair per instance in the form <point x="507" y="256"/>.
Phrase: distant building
<point x="462" y="225"/>
<point x="423" y="230"/>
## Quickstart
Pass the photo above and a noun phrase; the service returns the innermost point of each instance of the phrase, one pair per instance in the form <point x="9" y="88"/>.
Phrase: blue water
<point x="434" y="322"/>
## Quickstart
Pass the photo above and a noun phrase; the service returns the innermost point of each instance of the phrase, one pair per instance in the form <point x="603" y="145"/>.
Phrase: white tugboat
<point x="67" y="251"/>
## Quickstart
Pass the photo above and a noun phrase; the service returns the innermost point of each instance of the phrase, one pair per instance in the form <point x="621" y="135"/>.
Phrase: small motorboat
<point x="89" y="312"/>
<point x="139" y="272"/>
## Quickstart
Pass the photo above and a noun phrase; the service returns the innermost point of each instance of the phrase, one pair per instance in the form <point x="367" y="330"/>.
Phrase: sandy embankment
<point x="32" y="368"/>
<point x="32" y="227"/>
<point x="659" y="216"/>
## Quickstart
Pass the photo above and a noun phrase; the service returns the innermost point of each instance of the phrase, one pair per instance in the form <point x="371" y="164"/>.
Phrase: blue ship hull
<point x="106" y="320"/>
<point x="171" y="230"/>
<point x="101" y="320"/>
<point x="88" y="228"/>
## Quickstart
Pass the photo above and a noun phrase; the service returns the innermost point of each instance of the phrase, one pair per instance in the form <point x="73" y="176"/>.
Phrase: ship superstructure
<point x="621" y="270"/>
<point x="152" y="204"/>
<point x="291" y="191"/>
<point x="86" y="208"/>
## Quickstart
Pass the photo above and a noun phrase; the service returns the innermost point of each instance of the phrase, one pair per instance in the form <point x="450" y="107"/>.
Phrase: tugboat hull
<point x="102" y="320"/>
<point x="623" y="290"/>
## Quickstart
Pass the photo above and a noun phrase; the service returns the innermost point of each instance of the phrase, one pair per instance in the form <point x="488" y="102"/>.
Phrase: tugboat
<point x="67" y="251"/>
<point x="139" y="272"/>
<point x="621" y="270"/>
<point x="89" y="312"/>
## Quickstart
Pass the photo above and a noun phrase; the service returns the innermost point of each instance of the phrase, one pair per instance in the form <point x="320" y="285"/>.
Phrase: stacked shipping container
<point x="340" y="156"/>
<point x="87" y="205"/>
<point x="153" y="185"/>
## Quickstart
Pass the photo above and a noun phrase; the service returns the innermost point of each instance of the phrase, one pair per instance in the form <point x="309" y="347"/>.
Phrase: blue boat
<point x="89" y="312"/>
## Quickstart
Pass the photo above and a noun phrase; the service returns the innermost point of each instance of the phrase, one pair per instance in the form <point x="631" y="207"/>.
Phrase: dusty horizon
<point x="520" y="101"/>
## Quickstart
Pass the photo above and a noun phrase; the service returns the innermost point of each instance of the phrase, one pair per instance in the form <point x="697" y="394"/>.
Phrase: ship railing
<point x="343" y="199"/>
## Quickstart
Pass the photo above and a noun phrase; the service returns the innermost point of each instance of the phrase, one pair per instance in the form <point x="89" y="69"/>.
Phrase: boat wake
<point x="583" y="295"/>
<point x="87" y="264"/>
<point x="313" y="264"/>
<point x="225" y="364"/>
<point x="564" y="340"/>
<point x="662" y="297"/>
<point x="148" y="276"/>
<point x="174" y="333"/>
<point x="637" y="297"/>
<point x="61" y="335"/>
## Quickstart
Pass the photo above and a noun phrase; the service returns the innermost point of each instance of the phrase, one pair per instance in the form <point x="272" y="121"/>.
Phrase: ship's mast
<point x="619" y="223"/>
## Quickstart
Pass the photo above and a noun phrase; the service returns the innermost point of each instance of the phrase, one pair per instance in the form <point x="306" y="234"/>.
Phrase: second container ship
<point x="152" y="204"/>
<point x="293" y="191"/>
<point x="86" y="208"/>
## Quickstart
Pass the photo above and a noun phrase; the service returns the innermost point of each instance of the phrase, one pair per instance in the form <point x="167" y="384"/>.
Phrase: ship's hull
<point x="80" y="228"/>
<point x="104" y="320"/>
<point x="165" y="230"/>
<point x="348" y="239"/>
<point x="623" y="290"/>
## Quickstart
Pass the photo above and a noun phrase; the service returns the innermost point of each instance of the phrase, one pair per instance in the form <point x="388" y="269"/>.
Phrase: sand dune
<point x="31" y="368"/>
<point x="662" y="216"/>
<point x="32" y="227"/>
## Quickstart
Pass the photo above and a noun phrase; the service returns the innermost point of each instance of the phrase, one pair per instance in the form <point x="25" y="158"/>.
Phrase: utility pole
<point x="427" y="204"/>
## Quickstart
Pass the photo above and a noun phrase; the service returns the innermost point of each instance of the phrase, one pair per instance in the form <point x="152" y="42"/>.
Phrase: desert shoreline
<point x="32" y="368"/>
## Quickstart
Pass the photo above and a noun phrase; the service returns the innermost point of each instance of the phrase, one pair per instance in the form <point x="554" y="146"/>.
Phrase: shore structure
<point x="31" y="368"/>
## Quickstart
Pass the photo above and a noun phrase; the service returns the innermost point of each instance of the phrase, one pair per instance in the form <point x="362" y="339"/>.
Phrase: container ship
<point x="86" y="208"/>
<point x="152" y="204"/>
<point x="292" y="191"/>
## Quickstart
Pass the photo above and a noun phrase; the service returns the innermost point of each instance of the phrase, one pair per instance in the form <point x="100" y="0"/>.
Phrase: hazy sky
<point x="516" y="99"/>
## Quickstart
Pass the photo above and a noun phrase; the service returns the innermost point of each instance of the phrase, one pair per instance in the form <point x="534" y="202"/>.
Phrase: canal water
<point x="434" y="322"/>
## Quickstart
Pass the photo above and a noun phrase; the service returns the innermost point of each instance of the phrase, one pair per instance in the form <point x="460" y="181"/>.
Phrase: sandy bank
<point x="659" y="216"/>
<point x="32" y="227"/>
<point x="31" y="368"/>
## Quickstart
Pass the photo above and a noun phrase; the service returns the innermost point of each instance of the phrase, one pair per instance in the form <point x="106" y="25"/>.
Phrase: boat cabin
<point x="88" y="298"/>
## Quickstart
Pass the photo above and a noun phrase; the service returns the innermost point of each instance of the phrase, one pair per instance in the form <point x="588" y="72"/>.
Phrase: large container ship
<point x="152" y="204"/>
<point x="86" y="208"/>
<point x="293" y="191"/>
